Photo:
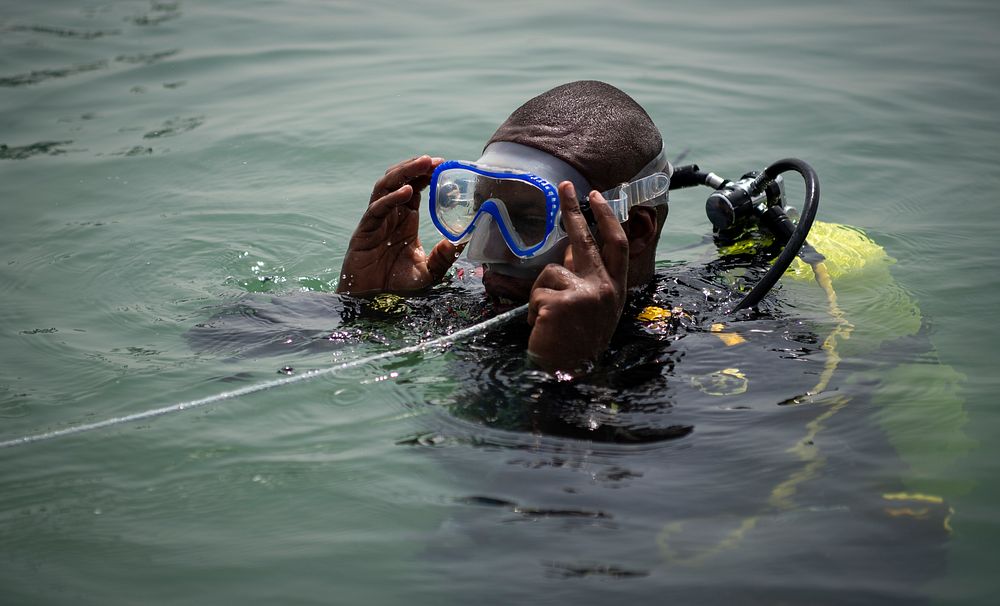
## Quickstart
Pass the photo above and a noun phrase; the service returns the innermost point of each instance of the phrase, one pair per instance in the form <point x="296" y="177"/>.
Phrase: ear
<point x="641" y="230"/>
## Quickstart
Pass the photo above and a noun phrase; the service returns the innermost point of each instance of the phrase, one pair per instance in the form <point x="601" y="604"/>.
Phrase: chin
<point x="507" y="290"/>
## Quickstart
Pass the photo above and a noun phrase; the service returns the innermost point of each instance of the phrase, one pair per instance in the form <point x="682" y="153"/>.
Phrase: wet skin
<point x="573" y="308"/>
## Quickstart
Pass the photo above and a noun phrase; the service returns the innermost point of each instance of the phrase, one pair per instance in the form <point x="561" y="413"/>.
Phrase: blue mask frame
<point x="496" y="209"/>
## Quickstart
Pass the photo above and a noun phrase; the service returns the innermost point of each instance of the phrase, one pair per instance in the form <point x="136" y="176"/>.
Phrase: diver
<point x="532" y="212"/>
<point x="564" y="209"/>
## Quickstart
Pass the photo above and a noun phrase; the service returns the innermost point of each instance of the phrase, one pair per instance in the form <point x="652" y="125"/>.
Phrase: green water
<point x="167" y="164"/>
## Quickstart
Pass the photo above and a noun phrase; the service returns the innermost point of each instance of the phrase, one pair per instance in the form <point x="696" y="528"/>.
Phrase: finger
<point x="435" y="161"/>
<point x="555" y="277"/>
<point x="398" y="175"/>
<point x="538" y="299"/>
<point x="381" y="207"/>
<point x="397" y="165"/>
<point x="614" y="242"/>
<point x="552" y="280"/>
<point x="403" y="173"/>
<point x="586" y="256"/>
<point x="442" y="257"/>
<point x="421" y="181"/>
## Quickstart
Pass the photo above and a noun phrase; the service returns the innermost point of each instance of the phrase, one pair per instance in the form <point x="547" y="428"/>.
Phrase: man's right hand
<point x="384" y="254"/>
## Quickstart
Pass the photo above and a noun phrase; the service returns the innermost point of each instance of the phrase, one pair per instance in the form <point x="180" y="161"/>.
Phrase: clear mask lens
<point x="523" y="210"/>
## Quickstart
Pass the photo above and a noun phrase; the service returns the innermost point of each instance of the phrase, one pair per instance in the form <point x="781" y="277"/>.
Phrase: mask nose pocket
<point x="487" y="244"/>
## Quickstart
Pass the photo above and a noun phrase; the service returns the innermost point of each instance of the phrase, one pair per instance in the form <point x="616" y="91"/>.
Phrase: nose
<point x="487" y="244"/>
<point x="496" y="248"/>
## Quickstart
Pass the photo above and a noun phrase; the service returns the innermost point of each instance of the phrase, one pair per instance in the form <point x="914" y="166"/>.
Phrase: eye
<point x="530" y="226"/>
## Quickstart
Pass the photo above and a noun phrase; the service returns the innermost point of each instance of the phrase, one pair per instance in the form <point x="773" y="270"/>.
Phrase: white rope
<point x="439" y="342"/>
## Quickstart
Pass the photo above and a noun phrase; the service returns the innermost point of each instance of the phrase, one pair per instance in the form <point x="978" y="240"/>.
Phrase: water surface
<point x="179" y="181"/>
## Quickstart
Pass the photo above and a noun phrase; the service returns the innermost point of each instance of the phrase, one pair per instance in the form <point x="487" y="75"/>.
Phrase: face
<point x="508" y="279"/>
<point x="510" y="282"/>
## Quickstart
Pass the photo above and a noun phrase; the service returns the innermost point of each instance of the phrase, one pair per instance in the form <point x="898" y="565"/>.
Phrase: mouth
<point x="506" y="291"/>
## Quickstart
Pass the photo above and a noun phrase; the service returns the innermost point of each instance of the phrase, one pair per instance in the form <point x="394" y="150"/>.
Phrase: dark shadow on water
<point x="41" y="75"/>
<point x="42" y="148"/>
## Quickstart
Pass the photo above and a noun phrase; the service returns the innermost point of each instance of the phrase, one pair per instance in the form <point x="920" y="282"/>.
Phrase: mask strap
<point x="659" y="164"/>
<point x="641" y="191"/>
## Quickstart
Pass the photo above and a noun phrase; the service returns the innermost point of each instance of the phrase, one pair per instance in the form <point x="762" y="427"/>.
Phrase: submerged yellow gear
<point x="848" y="250"/>
<point x="884" y="311"/>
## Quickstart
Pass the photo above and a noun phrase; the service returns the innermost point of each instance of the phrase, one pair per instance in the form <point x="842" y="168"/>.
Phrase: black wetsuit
<point x="675" y="354"/>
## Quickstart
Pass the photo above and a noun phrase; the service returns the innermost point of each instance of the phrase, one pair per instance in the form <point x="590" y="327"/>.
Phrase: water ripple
<point x="147" y="58"/>
<point x="62" y="32"/>
<point x="160" y="13"/>
<point x="175" y="126"/>
<point x="42" y="148"/>
<point x="41" y="75"/>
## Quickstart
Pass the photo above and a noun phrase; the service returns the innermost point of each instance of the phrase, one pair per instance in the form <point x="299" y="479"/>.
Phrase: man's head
<point x="592" y="126"/>
<point x="608" y="138"/>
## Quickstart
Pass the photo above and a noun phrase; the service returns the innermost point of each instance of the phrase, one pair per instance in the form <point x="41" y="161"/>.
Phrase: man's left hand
<point x="574" y="308"/>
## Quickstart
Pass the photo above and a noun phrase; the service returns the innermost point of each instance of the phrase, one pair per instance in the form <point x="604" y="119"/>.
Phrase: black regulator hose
<point x="797" y="238"/>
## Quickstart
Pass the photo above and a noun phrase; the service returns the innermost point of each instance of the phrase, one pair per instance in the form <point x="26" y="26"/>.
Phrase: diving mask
<point x="513" y="187"/>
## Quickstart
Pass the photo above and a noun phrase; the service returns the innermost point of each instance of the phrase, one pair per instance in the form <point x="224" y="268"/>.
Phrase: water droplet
<point x="388" y="243"/>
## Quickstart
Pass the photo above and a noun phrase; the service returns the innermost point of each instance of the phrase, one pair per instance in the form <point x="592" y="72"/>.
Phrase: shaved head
<point x="592" y="126"/>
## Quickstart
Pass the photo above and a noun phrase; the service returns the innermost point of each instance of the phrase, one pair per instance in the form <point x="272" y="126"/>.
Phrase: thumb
<point x="442" y="257"/>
